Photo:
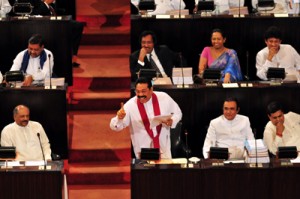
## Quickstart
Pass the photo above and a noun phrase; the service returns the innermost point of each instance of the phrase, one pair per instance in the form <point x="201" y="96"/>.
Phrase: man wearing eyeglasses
<point x="139" y="112"/>
<point x="229" y="130"/>
<point x="282" y="129"/>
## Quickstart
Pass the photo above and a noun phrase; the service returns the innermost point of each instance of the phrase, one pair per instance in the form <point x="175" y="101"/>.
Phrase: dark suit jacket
<point x="42" y="9"/>
<point x="167" y="58"/>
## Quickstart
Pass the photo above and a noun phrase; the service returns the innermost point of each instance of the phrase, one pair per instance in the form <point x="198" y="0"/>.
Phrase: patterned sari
<point x="228" y="62"/>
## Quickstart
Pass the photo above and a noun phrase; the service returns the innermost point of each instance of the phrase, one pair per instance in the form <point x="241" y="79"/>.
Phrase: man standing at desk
<point x="160" y="58"/>
<point x="27" y="136"/>
<point x="277" y="55"/>
<point x="229" y="130"/>
<point x="282" y="129"/>
<point x="139" y="112"/>
<point x="34" y="61"/>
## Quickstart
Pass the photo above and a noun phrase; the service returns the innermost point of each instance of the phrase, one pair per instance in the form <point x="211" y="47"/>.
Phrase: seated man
<point x="34" y="61"/>
<point x="150" y="55"/>
<point x="164" y="6"/>
<point x="277" y="55"/>
<point x="5" y="8"/>
<point x="282" y="129"/>
<point x="27" y="136"/>
<point x="139" y="111"/>
<point x="229" y="130"/>
<point x="46" y="8"/>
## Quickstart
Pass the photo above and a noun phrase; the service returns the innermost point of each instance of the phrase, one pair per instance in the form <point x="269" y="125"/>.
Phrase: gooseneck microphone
<point x="187" y="146"/>
<point x="254" y="132"/>
<point x="182" y="74"/>
<point x="38" y="134"/>
<point x="49" y="56"/>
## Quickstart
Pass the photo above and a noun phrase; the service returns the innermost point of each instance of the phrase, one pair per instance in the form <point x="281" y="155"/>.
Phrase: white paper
<point x="157" y="120"/>
<point x="230" y="85"/>
<point x="35" y="163"/>
<point x="187" y="74"/>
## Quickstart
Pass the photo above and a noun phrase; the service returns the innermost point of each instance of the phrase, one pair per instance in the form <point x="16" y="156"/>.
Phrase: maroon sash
<point x="146" y="121"/>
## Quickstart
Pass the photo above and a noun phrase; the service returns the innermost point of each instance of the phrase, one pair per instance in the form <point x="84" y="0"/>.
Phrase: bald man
<point x="26" y="136"/>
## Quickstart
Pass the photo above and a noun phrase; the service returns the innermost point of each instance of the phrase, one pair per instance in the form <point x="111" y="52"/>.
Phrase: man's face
<point x="35" y="50"/>
<point x="143" y="93"/>
<point x="230" y="110"/>
<point x="147" y="43"/>
<point x="273" y="43"/>
<point x="277" y="117"/>
<point x="22" y="117"/>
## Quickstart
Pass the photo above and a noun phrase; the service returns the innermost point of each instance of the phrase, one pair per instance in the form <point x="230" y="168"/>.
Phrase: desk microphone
<point x="180" y="63"/>
<point x="247" y="67"/>
<point x="49" y="56"/>
<point x="187" y="146"/>
<point x="38" y="134"/>
<point x="254" y="132"/>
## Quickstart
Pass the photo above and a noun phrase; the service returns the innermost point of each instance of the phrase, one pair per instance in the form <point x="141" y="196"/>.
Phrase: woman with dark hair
<point x="219" y="57"/>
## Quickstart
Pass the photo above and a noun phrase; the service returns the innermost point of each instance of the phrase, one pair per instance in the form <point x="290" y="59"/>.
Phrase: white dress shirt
<point x="164" y="6"/>
<point x="290" y="135"/>
<point x="139" y="136"/>
<point x="34" y="67"/>
<point x="26" y="141"/>
<point x="5" y="8"/>
<point x="230" y="134"/>
<point x="287" y="58"/>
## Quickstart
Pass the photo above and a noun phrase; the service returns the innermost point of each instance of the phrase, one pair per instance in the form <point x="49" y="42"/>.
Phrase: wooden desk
<point x="56" y="33"/>
<point x="32" y="183"/>
<point x="229" y="181"/>
<point x="201" y="104"/>
<point x="49" y="107"/>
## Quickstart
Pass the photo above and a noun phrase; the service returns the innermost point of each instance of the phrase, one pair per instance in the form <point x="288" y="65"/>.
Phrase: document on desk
<point x="297" y="160"/>
<point x="157" y="120"/>
<point x="35" y="163"/>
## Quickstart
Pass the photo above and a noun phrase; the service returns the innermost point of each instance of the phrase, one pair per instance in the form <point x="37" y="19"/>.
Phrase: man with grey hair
<point x="27" y="136"/>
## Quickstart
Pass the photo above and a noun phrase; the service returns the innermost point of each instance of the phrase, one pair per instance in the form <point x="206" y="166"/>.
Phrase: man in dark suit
<point x="47" y="8"/>
<point x="163" y="58"/>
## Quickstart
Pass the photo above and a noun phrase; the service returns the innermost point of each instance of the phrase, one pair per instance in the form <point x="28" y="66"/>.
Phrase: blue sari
<point x="228" y="62"/>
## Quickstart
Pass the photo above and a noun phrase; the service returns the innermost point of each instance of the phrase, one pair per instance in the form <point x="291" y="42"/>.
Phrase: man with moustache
<point x="139" y="111"/>
<point x="282" y="129"/>
<point x="34" y="61"/>
<point x="162" y="56"/>
<point x="26" y="136"/>
<point x="229" y="130"/>
<point x="277" y="55"/>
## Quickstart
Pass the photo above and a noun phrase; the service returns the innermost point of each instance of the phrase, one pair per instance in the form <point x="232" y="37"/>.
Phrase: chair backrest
<point x="178" y="147"/>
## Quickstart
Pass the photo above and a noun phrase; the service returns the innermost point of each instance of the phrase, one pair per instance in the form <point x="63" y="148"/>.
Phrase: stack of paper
<point x="261" y="151"/>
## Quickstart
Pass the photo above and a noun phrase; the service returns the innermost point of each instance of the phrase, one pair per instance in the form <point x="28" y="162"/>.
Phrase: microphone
<point x="49" y="56"/>
<point x="38" y="134"/>
<point x="239" y="8"/>
<point x="254" y="132"/>
<point x="187" y="147"/>
<point x="180" y="63"/>
<point x="247" y="67"/>
<point x="180" y="9"/>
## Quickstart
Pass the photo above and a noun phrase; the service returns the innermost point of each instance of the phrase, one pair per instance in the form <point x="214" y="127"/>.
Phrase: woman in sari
<point x="219" y="57"/>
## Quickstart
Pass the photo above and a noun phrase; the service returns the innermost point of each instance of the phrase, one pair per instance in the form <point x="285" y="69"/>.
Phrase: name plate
<point x="230" y="85"/>
<point x="253" y="165"/>
<point x="164" y="17"/>
<point x="237" y="16"/>
<point x="56" y="18"/>
<point x="217" y="164"/>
